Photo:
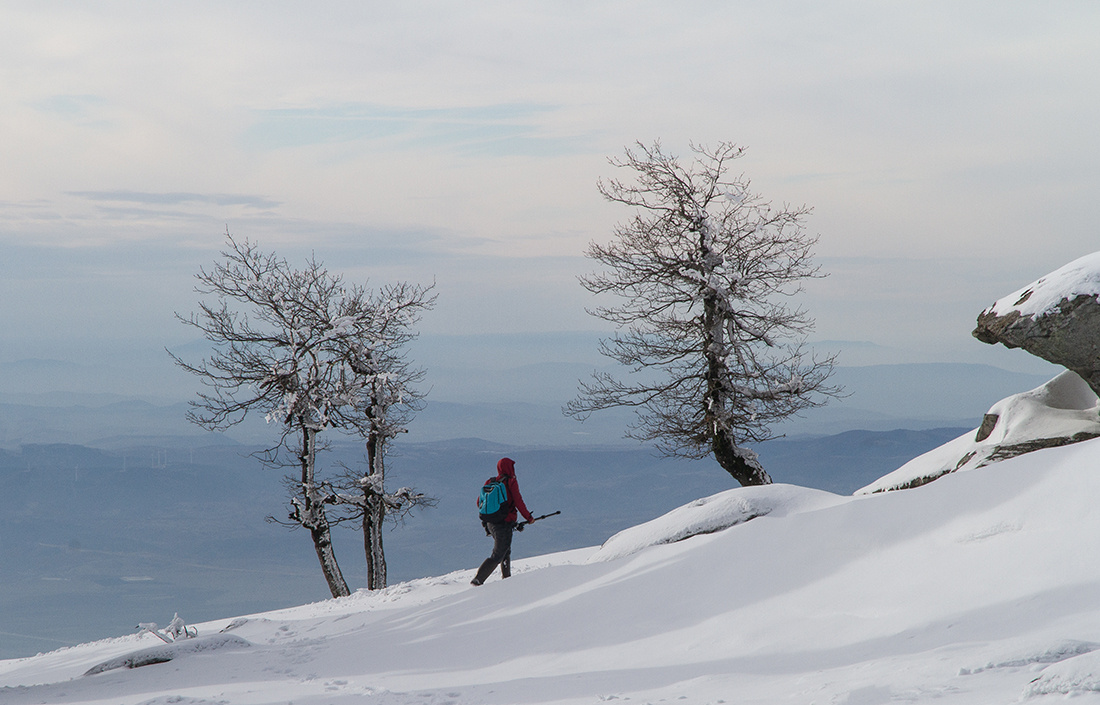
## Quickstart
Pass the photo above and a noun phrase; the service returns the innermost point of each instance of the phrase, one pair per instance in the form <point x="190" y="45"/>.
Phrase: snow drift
<point x="711" y="514"/>
<point x="164" y="653"/>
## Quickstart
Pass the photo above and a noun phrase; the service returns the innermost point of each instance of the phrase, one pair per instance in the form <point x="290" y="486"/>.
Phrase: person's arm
<point x="517" y="500"/>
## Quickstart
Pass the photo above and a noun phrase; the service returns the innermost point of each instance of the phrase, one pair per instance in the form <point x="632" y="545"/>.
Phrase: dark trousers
<point x="502" y="552"/>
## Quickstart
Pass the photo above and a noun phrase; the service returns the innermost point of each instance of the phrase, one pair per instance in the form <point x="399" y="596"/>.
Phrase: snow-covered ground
<point x="981" y="587"/>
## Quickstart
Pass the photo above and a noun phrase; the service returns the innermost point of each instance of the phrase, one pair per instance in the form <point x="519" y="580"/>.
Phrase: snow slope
<point x="982" y="587"/>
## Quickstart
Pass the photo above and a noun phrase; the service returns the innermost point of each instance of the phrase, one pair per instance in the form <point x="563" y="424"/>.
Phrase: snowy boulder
<point x="1064" y="410"/>
<point x="1056" y="318"/>
<point x="167" y="652"/>
<point x="711" y="514"/>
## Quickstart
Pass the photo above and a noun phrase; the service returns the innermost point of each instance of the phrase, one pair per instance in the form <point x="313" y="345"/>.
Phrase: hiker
<point x="500" y="528"/>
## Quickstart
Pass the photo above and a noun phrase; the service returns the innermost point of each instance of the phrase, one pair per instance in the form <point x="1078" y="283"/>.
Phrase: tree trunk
<point x="368" y="533"/>
<point x="314" y="518"/>
<point x="741" y="463"/>
<point x="374" y="514"/>
<point x="372" y="543"/>
<point x="322" y="542"/>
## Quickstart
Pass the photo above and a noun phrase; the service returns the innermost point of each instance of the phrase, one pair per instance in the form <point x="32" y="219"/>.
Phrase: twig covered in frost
<point x="177" y="629"/>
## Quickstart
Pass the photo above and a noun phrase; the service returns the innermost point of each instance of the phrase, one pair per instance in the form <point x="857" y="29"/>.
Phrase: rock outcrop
<point x="1065" y="410"/>
<point x="1056" y="318"/>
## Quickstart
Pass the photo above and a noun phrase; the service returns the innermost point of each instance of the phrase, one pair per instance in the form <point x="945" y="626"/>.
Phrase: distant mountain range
<point x="513" y="405"/>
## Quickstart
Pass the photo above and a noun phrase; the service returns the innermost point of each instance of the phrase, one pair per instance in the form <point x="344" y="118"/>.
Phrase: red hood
<point x="506" y="468"/>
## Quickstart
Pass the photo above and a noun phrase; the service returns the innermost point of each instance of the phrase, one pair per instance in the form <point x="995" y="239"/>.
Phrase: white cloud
<point x="424" y="131"/>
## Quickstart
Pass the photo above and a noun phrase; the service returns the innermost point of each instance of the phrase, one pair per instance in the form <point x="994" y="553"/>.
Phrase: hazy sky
<point x="950" y="150"/>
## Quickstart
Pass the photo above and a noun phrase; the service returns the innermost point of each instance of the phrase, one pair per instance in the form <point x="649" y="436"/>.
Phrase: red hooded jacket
<point x="506" y="471"/>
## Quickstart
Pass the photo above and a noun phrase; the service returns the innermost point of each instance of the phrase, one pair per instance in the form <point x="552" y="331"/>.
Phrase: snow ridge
<point x="712" y="514"/>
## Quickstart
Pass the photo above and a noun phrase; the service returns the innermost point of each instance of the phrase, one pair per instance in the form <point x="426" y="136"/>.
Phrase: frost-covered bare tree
<point x="389" y="401"/>
<point x="706" y="268"/>
<point x="306" y="350"/>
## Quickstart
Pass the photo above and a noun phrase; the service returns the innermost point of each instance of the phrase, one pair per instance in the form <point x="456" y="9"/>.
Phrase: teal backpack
<point x="493" y="505"/>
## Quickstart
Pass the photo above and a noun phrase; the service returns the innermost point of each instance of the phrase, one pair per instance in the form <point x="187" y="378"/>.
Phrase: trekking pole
<point x="519" y="526"/>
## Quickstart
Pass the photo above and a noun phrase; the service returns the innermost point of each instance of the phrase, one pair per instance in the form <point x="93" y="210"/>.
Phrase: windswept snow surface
<point x="1080" y="277"/>
<point x="714" y="513"/>
<point x="1062" y="408"/>
<point x="982" y="587"/>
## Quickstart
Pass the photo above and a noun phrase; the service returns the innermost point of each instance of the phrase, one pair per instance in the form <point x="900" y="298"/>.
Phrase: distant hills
<point x="519" y="405"/>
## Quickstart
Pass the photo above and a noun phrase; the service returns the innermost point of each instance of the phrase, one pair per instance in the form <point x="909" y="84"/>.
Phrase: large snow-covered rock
<point x="1056" y="318"/>
<point x="1064" y="410"/>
